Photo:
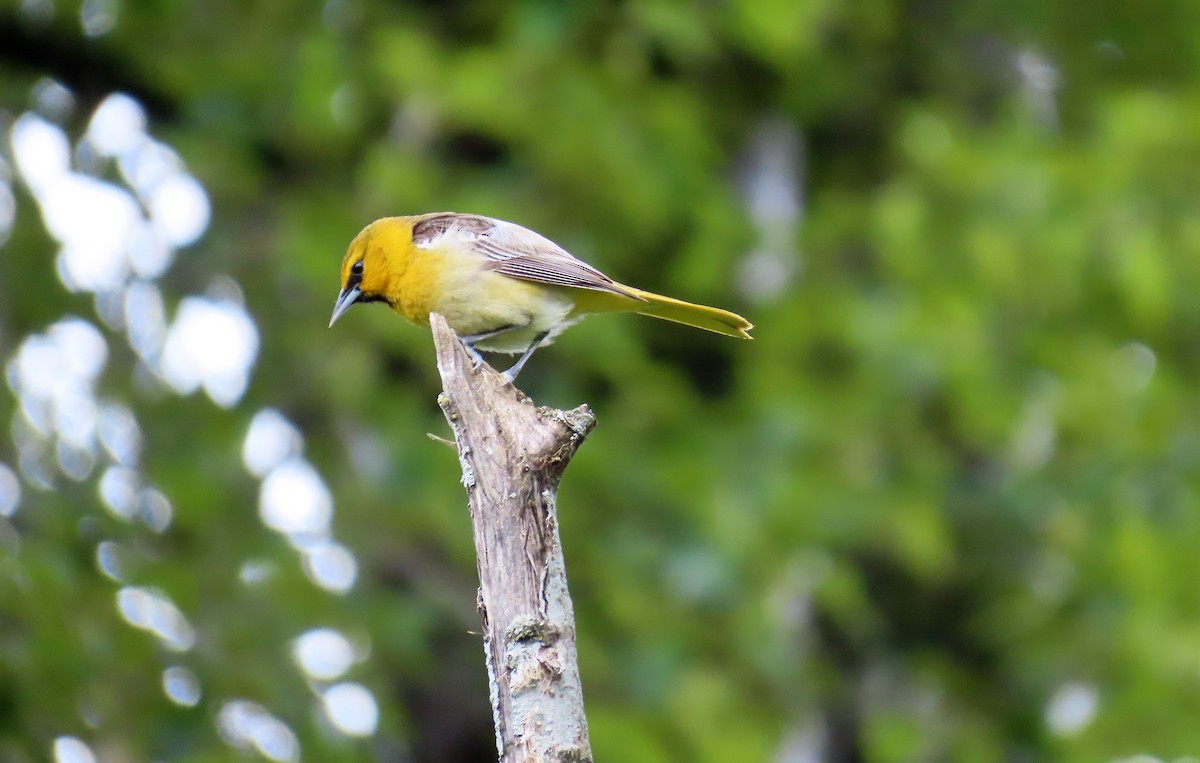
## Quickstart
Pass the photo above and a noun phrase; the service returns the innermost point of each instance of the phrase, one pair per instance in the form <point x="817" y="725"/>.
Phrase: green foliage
<point x="944" y="507"/>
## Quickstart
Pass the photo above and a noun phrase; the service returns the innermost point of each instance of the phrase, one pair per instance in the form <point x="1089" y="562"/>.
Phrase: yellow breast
<point x="455" y="282"/>
<point x="417" y="283"/>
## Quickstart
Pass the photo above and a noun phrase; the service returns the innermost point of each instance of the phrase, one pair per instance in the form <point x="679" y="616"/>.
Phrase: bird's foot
<point x="468" y="342"/>
<point x="476" y="358"/>
<point x="511" y="374"/>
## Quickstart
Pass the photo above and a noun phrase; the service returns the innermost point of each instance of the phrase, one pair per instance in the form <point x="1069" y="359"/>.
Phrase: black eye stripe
<point x="356" y="274"/>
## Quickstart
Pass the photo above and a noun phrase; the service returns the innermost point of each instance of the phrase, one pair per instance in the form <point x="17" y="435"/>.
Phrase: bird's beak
<point x="344" y="302"/>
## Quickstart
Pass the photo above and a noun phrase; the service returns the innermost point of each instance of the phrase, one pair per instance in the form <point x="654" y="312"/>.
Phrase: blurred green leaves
<point x="948" y="490"/>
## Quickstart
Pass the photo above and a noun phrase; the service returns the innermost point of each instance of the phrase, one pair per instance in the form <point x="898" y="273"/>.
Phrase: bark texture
<point x="513" y="455"/>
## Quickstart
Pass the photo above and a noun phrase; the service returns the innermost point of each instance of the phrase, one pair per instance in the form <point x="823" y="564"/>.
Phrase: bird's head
<point x="368" y="272"/>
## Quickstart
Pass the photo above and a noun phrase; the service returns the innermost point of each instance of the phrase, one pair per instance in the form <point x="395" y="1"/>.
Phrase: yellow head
<point x="373" y="264"/>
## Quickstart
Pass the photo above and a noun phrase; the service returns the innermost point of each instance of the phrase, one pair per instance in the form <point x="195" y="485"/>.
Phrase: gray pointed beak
<point x="344" y="302"/>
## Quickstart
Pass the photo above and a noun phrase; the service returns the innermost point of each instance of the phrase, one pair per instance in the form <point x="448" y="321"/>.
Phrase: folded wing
<point x="517" y="252"/>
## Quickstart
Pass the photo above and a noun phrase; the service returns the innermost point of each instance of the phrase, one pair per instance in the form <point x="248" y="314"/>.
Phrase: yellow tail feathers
<point x="701" y="317"/>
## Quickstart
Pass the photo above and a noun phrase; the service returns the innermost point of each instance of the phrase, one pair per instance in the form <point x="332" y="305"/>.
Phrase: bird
<point x="500" y="286"/>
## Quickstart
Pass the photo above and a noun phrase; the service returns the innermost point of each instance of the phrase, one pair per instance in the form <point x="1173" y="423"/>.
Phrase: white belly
<point x="480" y="301"/>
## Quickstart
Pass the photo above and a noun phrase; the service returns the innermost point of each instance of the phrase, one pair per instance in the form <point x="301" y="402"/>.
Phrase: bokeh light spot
<point x="98" y="17"/>
<point x="351" y="708"/>
<point x="1072" y="708"/>
<point x="117" y="126"/>
<point x="54" y="376"/>
<point x="247" y="725"/>
<point x="181" y="686"/>
<point x="72" y="750"/>
<point x="253" y="572"/>
<point x="294" y="500"/>
<point x="145" y="320"/>
<point x="154" y="509"/>
<point x="120" y="434"/>
<point x="179" y="209"/>
<point x="10" y="491"/>
<point x="41" y="151"/>
<point x="1133" y="367"/>
<point x="118" y="490"/>
<point x="211" y="344"/>
<point x="330" y="565"/>
<point x="156" y="613"/>
<point x="8" y="207"/>
<point x="323" y="653"/>
<point x="109" y="560"/>
<point x="271" y="439"/>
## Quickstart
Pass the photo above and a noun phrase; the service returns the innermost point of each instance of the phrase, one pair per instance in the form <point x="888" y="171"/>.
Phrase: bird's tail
<point x="699" y="316"/>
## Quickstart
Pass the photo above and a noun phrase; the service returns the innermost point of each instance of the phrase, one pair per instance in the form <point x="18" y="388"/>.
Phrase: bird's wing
<point x="517" y="252"/>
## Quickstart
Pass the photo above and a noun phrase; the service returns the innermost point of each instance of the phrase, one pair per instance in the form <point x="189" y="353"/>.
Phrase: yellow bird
<point x="501" y="287"/>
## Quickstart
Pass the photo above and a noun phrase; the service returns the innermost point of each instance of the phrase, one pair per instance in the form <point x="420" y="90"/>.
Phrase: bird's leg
<point x="469" y="343"/>
<point x="511" y="374"/>
<point x="476" y="358"/>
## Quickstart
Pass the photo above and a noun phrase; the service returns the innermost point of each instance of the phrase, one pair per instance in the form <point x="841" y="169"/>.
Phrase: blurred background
<point x="944" y="508"/>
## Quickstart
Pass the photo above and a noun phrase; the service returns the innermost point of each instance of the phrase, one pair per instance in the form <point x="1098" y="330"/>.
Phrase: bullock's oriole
<point x="501" y="287"/>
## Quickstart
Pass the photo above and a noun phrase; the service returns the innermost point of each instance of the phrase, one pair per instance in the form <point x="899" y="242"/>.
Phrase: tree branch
<point x="513" y="455"/>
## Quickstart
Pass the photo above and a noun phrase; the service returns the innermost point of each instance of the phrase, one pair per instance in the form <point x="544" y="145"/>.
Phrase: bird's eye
<point x="357" y="268"/>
